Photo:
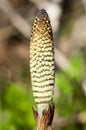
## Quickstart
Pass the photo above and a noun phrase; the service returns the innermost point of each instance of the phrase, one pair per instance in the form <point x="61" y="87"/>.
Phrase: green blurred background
<point x="69" y="30"/>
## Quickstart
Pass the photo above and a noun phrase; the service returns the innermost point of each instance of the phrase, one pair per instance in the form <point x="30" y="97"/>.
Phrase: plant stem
<point x="44" y="122"/>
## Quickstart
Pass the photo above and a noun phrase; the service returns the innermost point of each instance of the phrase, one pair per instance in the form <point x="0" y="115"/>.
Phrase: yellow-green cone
<point x="42" y="59"/>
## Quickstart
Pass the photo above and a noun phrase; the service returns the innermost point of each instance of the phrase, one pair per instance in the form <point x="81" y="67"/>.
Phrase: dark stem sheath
<point x="45" y="121"/>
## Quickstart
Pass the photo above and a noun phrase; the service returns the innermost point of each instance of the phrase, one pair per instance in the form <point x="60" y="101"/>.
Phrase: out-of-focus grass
<point x="17" y="109"/>
<point x="71" y="99"/>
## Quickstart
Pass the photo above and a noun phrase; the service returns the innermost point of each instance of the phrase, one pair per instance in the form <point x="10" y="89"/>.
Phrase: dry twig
<point x="17" y="21"/>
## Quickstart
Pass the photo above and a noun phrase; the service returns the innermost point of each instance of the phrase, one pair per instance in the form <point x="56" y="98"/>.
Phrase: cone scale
<point x="42" y="63"/>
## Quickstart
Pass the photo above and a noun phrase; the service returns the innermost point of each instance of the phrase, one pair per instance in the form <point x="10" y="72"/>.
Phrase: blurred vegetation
<point x="17" y="108"/>
<point x="72" y="98"/>
<point x="16" y="99"/>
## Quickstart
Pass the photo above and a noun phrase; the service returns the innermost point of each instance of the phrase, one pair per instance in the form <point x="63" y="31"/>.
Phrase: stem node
<point x="45" y="121"/>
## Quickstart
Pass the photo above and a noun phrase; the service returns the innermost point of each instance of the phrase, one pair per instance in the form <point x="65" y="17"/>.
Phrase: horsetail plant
<point x="42" y="69"/>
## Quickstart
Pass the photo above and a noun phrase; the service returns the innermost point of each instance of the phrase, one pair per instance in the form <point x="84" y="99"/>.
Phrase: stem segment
<point x="45" y="121"/>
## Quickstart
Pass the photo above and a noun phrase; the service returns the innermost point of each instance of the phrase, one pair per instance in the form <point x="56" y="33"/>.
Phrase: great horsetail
<point x="42" y="60"/>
